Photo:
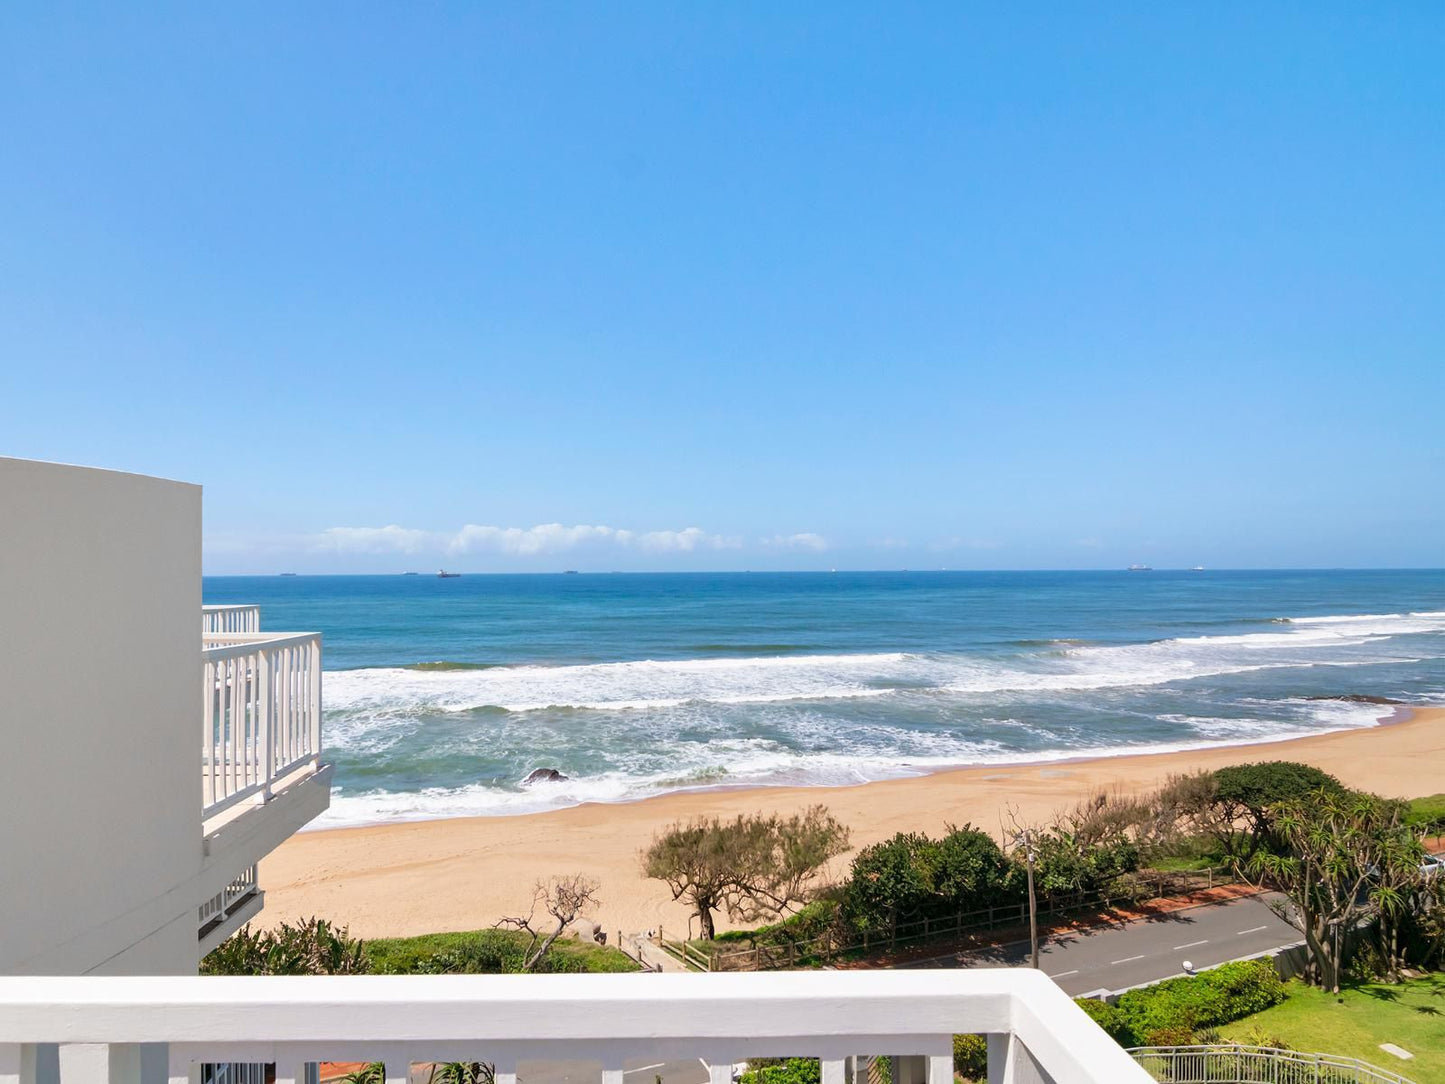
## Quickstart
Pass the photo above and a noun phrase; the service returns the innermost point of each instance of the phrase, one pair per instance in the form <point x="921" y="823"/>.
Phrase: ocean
<point x="441" y="695"/>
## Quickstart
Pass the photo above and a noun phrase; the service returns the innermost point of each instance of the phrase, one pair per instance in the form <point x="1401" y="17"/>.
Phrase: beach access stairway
<point x="150" y="1030"/>
<point x="260" y="752"/>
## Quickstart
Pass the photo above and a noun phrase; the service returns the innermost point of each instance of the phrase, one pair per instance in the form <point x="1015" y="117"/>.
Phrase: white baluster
<point x="17" y="1063"/>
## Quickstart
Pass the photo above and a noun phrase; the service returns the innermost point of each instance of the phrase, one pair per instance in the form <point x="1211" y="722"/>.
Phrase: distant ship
<point x="1197" y="568"/>
<point x="288" y="573"/>
<point x="569" y="572"/>
<point x="1139" y="568"/>
<point x="408" y="573"/>
<point x="443" y="574"/>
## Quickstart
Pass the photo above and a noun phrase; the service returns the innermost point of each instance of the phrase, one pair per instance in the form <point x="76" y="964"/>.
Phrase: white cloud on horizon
<point x="804" y="540"/>
<point x="388" y="539"/>
<point x="544" y="538"/>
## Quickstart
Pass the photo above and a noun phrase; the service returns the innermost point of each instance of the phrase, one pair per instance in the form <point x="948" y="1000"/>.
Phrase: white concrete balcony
<point x="230" y="619"/>
<point x="106" y="1026"/>
<point x="261" y="772"/>
<point x="261" y="716"/>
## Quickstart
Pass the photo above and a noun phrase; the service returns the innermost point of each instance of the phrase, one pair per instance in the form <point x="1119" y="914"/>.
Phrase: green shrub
<point x="813" y="920"/>
<point x="1067" y="867"/>
<point x="1158" y="1015"/>
<point x="970" y="1056"/>
<point x="971" y="872"/>
<point x="1109" y="1018"/>
<point x="783" y="1071"/>
<point x="311" y="947"/>
<point x="912" y="876"/>
<point x="890" y="882"/>
<point x="487" y="952"/>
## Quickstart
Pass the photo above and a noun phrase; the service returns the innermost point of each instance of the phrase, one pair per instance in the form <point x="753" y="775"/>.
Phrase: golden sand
<point x="464" y="873"/>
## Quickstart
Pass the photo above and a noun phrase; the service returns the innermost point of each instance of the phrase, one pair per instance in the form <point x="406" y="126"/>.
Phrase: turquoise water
<point x="634" y="685"/>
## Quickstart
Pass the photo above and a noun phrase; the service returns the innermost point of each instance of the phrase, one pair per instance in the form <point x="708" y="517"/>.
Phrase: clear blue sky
<point x="976" y="286"/>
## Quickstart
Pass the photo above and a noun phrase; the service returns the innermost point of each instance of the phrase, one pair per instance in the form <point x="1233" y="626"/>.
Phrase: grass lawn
<point x="391" y="955"/>
<point x="1410" y="1015"/>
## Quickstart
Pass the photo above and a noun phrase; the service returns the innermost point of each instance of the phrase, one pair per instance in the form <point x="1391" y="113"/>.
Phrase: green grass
<point x="1410" y="1014"/>
<point x="393" y="955"/>
<point x="1428" y="813"/>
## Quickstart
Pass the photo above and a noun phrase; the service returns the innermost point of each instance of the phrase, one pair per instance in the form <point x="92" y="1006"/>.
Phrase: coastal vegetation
<point x="1348" y="865"/>
<point x="563" y="900"/>
<point x="314" y="947"/>
<point x="309" y="946"/>
<point x="752" y="867"/>
<point x="1175" y="1011"/>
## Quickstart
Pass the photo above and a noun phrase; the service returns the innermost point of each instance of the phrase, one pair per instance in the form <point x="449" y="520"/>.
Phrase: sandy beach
<point x="409" y="878"/>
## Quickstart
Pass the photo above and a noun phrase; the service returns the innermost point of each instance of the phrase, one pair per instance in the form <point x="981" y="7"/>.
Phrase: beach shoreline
<point x="410" y="877"/>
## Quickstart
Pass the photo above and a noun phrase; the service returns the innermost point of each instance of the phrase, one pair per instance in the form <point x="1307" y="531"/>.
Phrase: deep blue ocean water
<point x="635" y="684"/>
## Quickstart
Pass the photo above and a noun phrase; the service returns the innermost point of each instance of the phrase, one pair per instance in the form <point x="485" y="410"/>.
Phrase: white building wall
<point x="100" y="838"/>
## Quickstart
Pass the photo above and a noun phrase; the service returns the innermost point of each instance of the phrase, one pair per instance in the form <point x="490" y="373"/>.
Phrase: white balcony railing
<point x="216" y="909"/>
<point x="261" y="718"/>
<point x="1235" y="1064"/>
<point x="230" y="619"/>
<point x="1036" y="1035"/>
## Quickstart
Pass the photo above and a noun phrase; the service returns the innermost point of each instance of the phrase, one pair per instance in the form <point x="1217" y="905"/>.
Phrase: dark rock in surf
<point x="544" y="775"/>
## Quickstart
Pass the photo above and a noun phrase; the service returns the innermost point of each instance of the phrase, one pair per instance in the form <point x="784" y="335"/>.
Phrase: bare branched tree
<point x="564" y="900"/>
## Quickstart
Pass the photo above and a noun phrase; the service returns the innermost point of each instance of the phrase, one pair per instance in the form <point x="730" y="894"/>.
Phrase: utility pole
<point x="1026" y="838"/>
<point x="1030" y="855"/>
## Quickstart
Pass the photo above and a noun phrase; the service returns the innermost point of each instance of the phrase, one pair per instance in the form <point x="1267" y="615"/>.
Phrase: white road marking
<point x="1064" y="974"/>
<point x="1255" y="929"/>
<point x="644" y="1068"/>
<point x="1126" y="959"/>
<point x="1191" y="944"/>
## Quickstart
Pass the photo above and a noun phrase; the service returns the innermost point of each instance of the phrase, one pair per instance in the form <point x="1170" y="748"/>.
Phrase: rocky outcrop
<point x="544" y="775"/>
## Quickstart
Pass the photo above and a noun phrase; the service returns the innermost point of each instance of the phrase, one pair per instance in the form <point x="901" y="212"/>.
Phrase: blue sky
<point x="738" y="285"/>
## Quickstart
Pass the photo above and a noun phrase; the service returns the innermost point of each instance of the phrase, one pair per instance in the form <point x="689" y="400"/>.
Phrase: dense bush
<point x="1066" y="867"/>
<point x="783" y="1071"/>
<point x="314" y="947"/>
<point x="311" y="947"/>
<point x="813" y="920"/>
<point x="1169" y="1013"/>
<point x="1109" y="1018"/>
<point x="970" y="1056"/>
<point x="487" y="952"/>
<point x="912" y="876"/>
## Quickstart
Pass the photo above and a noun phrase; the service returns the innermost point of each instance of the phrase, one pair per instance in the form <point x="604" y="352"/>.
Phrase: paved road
<point x="1118" y="956"/>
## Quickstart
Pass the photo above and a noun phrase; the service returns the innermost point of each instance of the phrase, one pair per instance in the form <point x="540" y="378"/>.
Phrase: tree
<point x="753" y="867"/>
<point x="1329" y="847"/>
<point x="564" y="899"/>
<point x="1245" y="796"/>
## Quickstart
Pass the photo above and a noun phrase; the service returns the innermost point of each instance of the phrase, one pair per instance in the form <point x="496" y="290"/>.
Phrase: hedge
<point x="1170" y="1012"/>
